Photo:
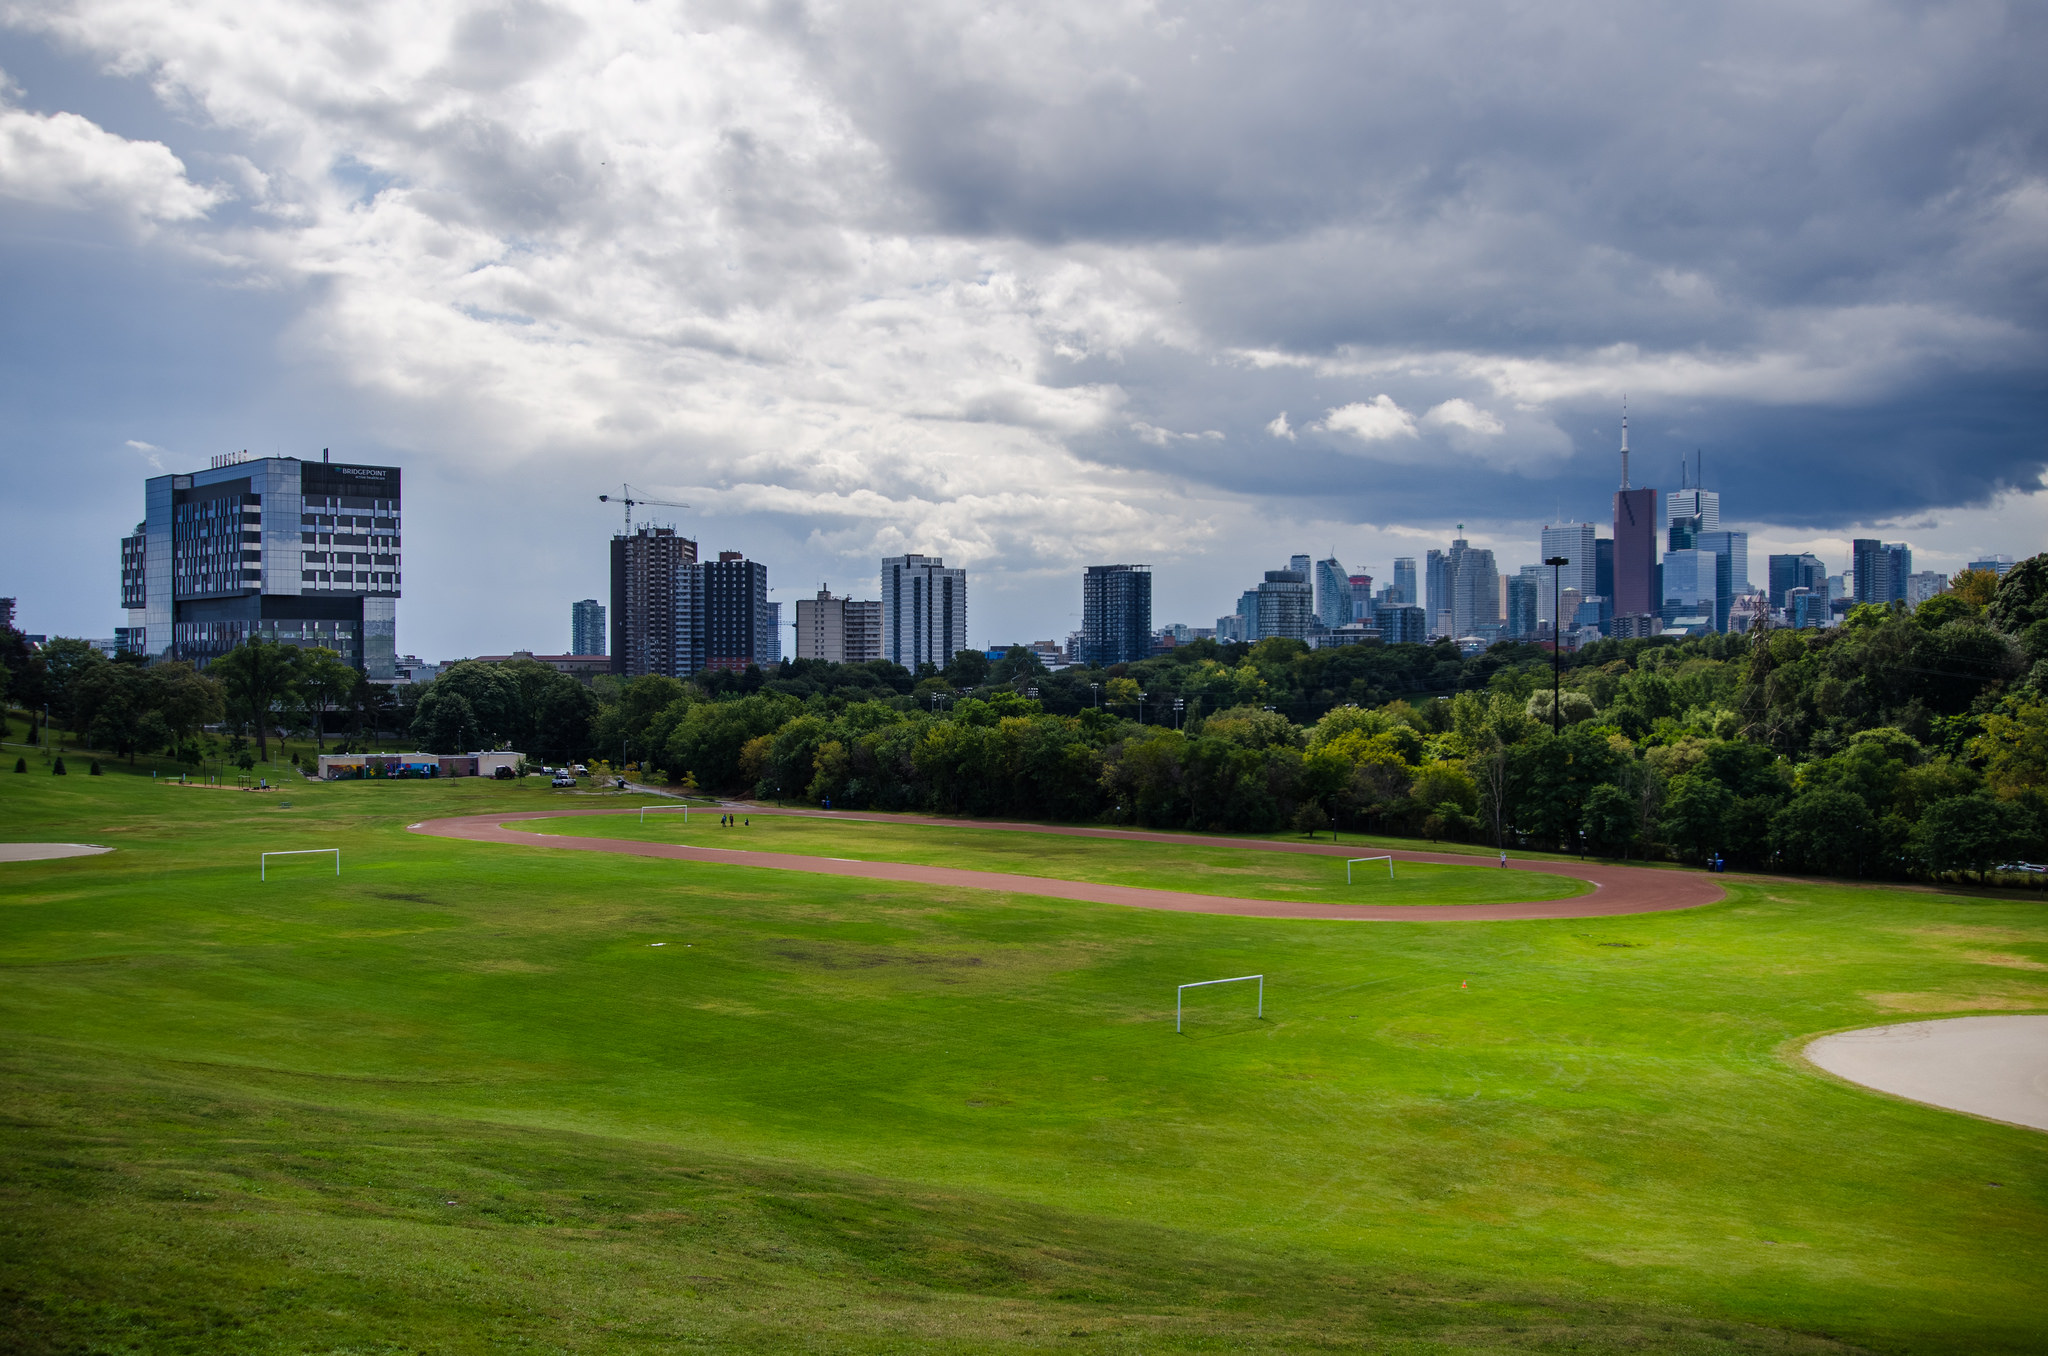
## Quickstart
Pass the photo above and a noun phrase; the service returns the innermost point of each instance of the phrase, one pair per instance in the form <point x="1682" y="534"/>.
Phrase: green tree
<point x="445" y="722"/>
<point x="66" y="663"/>
<point x="256" y="677"/>
<point x="708" y="739"/>
<point x="1248" y="727"/>
<point x="968" y="669"/>
<point x="1610" y="822"/>
<point x="1971" y="833"/>
<point x="492" y="695"/>
<point x="1695" y="810"/>
<point x="1824" y="830"/>
<point x="110" y="701"/>
<point x="186" y="699"/>
<point x="563" y="721"/>
<point x="1574" y="706"/>
<point x="2022" y="597"/>
<point x="2014" y="745"/>
<point x="324" y="684"/>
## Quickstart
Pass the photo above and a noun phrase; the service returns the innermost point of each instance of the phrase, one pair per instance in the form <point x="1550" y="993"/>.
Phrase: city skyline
<point x="775" y="278"/>
<point x="271" y="553"/>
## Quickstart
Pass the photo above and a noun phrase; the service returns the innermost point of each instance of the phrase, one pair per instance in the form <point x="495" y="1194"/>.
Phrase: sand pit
<point x="42" y="852"/>
<point x="1995" y="1067"/>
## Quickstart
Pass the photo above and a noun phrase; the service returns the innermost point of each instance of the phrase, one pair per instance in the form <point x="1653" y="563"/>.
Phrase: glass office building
<point x="586" y="627"/>
<point x="301" y="552"/>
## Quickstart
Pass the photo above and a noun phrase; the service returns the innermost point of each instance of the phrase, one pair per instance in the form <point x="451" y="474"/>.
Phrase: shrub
<point x="21" y="765"/>
<point x="58" y="770"/>
<point x="94" y="770"/>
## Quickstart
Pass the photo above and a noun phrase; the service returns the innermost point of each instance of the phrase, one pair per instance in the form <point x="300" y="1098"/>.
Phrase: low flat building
<point x="350" y="767"/>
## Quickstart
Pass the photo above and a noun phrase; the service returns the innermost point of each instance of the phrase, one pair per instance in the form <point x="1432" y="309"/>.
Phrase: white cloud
<point x="63" y="160"/>
<point x="1462" y="414"/>
<point x="1280" y="428"/>
<point x="149" y="452"/>
<point x="1375" y="420"/>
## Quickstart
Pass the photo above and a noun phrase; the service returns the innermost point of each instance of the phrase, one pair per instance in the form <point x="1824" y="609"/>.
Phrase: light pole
<point x="1180" y="707"/>
<point x="1556" y="563"/>
<point x="1097" y="688"/>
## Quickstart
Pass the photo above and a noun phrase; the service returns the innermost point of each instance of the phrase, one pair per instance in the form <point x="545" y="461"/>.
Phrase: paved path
<point x="1616" y="889"/>
<point x="1995" y="1067"/>
<point x="42" y="852"/>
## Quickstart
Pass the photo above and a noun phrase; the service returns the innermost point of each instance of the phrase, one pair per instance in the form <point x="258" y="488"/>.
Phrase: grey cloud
<point x="977" y="267"/>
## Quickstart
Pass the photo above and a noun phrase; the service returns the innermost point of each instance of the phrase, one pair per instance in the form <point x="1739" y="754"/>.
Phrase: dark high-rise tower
<point x="1116" y="614"/>
<point x="657" y="625"/>
<point x="1635" y="544"/>
<point x="738" y="629"/>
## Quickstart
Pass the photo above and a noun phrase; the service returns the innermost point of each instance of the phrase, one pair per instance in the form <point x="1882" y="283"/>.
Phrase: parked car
<point x="563" y="779"/>
<point x="2031" y="867"/>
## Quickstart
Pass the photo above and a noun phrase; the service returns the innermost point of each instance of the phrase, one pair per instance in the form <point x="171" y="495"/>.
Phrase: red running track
<point x="1616" y="889"/>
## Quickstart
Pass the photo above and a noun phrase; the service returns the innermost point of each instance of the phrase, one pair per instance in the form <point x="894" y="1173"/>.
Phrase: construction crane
<point x="625" y="496"/>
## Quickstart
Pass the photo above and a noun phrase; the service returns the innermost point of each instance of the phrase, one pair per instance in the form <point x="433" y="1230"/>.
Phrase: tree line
<point x="1902" y="742"/>
<point x="128" y="706"/>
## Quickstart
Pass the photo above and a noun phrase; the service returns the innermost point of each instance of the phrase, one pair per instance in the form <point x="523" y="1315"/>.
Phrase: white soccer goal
<point x="263" y="863"/>
<point x="671" y="809"/>
<point x="1356" y="860"/>
<point x="1204" y="983"/>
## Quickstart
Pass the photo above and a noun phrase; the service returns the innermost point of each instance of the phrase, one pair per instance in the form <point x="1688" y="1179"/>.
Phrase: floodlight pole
<point x="1556" y="563"/>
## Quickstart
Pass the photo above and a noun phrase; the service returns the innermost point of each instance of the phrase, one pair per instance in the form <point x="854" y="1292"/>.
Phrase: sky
<point x="1026" y="286"/>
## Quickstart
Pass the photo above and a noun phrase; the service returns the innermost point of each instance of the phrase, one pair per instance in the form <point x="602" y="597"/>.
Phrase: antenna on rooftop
<point x="1624" y="442"/>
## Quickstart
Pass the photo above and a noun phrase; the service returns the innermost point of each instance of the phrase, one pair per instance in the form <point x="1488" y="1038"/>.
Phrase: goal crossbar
<point x="670" y="808"/>
<point x="1353" y="861"/>
<point x="1204" y="983"/>
<point x="263" y="861"/>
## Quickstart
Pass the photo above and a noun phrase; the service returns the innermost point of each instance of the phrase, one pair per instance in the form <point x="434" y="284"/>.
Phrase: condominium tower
<point x="838" y="630"/>
<point x="1116" y="614"/>
<point x="586" y="627"/>
<point x="924" y="611"/>
<point x="656" y="623"/>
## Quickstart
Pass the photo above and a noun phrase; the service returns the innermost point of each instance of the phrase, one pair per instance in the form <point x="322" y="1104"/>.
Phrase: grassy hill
<point x="459" y="1100"/>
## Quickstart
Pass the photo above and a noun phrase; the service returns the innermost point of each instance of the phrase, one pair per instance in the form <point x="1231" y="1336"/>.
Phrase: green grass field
<point x="457" y="1100"/>
<point x="1156" y="866"/>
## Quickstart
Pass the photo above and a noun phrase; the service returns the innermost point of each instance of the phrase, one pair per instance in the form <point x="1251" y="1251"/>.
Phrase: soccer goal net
<point x="1179" y="994"/>
<point x="263" y="860"/>
<point x="1357" y="860"/>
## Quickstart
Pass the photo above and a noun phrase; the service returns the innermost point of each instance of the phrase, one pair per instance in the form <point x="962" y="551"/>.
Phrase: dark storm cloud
<point x="1740" y="183"/>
